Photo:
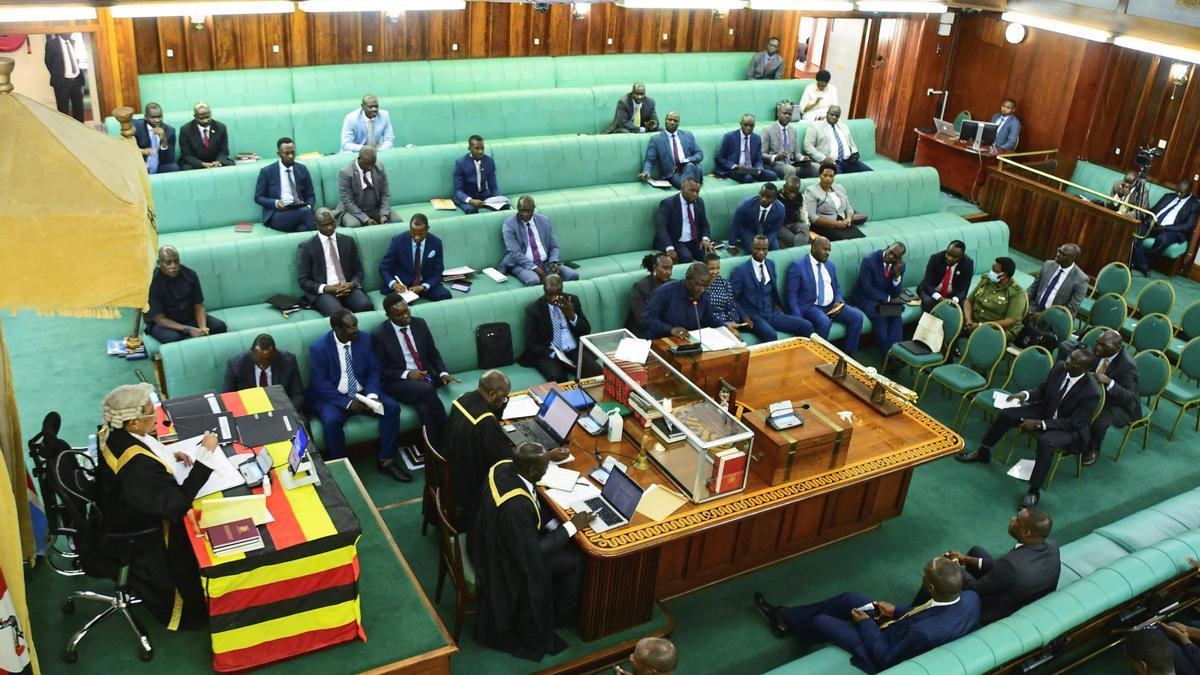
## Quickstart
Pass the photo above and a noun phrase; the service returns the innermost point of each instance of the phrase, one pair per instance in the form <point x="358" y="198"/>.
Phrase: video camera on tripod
<point x="1145" y="156"/>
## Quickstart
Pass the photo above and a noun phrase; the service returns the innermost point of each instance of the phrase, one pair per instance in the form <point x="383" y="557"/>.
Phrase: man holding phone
<point x="156" y="140"/>
<point x="553" y="325"/>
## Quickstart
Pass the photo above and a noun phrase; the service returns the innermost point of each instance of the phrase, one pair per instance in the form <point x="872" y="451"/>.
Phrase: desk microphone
<point x="696" y="311"/>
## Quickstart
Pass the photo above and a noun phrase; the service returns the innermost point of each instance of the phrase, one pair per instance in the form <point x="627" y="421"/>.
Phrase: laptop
<point x="945" y="128"/>
<point x="550" y="427"/>
<point x="616" y="503"/>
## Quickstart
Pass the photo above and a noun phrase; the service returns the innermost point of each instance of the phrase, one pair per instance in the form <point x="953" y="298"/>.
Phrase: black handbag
<point x="1037" y="333"/>
<point x="493" y="345"/>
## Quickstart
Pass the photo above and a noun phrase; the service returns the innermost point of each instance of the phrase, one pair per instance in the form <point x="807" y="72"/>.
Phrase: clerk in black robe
<point x="528" y="575"/>
<point x="473" y="440"/>
<point x="137" y="490"/>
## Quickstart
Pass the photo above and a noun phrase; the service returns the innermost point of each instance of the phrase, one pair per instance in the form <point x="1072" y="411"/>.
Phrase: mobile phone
<point x="869" y="609"/>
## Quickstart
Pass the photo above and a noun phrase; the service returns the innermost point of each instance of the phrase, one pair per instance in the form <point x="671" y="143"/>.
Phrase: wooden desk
<point x="960" y="168"/>
<point x="707" y="369"/>
<point x="630" y="567"/>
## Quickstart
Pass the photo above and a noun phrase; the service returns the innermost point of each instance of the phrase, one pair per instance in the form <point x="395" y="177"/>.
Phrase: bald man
<point x="652" y="656"/>
<point x="473" y="440"/>
<point x="203" y="142"/>
<point x="1060" y="282"/>
<point x="177" y="302"/>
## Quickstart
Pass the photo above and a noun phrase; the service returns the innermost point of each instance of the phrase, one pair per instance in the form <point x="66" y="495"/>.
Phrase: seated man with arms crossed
<point x="331" y="272"/>
<point x="675" y="153"/>
<point x="814" y="293"/>
<point x="415" y="261"/>
<point x="177" y="302"/>
<point x="553" y="325"/>
<point x="531" y="248"/>
<point x="262" y="366"/>
<point x="681" y="225"/>
<point x="757" y="294"/>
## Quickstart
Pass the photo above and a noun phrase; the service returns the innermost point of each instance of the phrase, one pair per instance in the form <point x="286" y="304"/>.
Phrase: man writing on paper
<point x="415" y="262"/>
<point x="528" y="572"/>
<point x="474" y="441"/>
<point x="553" y="325"/>
<point x="679" y="306"/>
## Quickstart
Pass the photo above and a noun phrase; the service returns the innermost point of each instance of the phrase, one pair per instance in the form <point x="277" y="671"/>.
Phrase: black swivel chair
<point x="43" y="449"/>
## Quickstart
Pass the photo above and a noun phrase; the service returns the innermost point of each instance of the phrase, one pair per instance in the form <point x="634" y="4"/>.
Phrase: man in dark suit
<point x="877" y="292"/>
<point x="756" y="291"/>
<point x="474" y="177"/>
<point x="410" y="365"/>
<point x="679" y="306"/>
<point x="1060" y="282"/>
<point x="156" y="141"/>
<point x="813" y="292"/>
<point x="1058" y="413"/>
<point x="740" y="155"/>
<point x="363" y="194"/>
<point x="878" y="634"/>
<point x="262" y="366"/>
<point x="285" y="191"/>
<point x="66" y="75"/>
<point x="345" y="381"/>
<point x="415" y="261"/>
<point x="635" y="113"/>
<point x="761" y="214"/>
<point x="766" y="65"/>
<point x="947" y="276"/>
<point x="553" y="325"/>
<point x="1176" y="216"/>
<point x="674" y="153"/>
<point x="331" y="272"/>
<point x="1026" y="573"/>
<point x="681" y="225"/>
<point x="203" y="142"/>
<point x="1117" y="372"/>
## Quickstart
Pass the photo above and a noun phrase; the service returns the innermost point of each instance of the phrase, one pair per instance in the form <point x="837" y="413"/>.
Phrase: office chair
<point x="44" y="448"/>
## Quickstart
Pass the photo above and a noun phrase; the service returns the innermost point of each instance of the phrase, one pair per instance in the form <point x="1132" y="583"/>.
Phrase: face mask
<point x="993" y="277"/>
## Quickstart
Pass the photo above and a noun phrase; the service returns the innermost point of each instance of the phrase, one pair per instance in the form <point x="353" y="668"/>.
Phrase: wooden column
<point x="116" y="63"/>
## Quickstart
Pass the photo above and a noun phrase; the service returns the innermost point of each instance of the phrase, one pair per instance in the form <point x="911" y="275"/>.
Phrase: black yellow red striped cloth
<point x="300" y="592"/>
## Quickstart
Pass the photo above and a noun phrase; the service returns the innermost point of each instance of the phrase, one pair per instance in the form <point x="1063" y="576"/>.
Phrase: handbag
<point x="1037" y="333"/>
<point x="929" y="336"/>
<point x="493" y="345"/>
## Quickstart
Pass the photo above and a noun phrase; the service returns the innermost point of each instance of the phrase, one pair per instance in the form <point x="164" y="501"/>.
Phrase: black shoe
<point x="1030" y="500"/>
<point x="771" y="614"/>
<point x="392" y="467"/>
<point x="1090" y="457"/>
<point x="982" y="456"/>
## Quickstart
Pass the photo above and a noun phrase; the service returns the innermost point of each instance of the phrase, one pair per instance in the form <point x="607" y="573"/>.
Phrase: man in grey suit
<point x="1060" y="282"/>
<point x="635" y="113"/>
<point x="831" y="140"/>
<point x="781" y="147"/>
<point x="363" y="196"/>
<point x="532" y="250"/>
<point x="766" y="65"/>
<point x="674" y="153"/>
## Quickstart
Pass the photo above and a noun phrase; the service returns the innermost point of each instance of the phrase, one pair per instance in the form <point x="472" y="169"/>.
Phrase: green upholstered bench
<point x="218" y="88"/>
<point x="1101" y="179"/>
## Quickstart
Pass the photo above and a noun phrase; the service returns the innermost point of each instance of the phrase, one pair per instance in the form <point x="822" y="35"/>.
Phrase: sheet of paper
<point x="658" y="502"/>
<point x="519" y="407"/>
<point x="559" y="478"/>
<point x="716" y="339"/>
<point x="375" y="406"/>
<point x="458" y="271"/>
<point x="496" y="203"/>
<point x="215" y="512"/>
<point x="1022" y="470"/>
<point x="659" y="183"/>
<point x="581" y="491"/>
<point x="633" y="350"/>
<point x="224" y="475"/>
<point x="780" y="407"/>
<point x="1000" y="401"/>
<point x="409" y="296"/>
<point x="443" y="204"/>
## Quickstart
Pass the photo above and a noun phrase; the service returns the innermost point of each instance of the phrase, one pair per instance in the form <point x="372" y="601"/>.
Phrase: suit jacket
<point x="191" y="148"/>
<point x="539" y="331"/>
<point x="1075" y="410"/>
<point x="239" y="374"/>
<point x="1007" y="135"/>
<point x="1021" y="576"/>
<point x="744" y="225"/>
<point x="817" y="203"/>
<point x="763" y="67"/>
<point x="772" y="143"/>
<point x="311" y="263"/>
<point x="1122" y="397"/>
<point x="354" y="131"/>
<point x="801" y="289"/>
<point x="752" y="297"/>
<point x="516" y="239"/>
<point x="660" y="154"/>
<point x="398" y="261"/>
<point x="873" y="287"/>
<point x="670" y="306"/>
<point x="729" y="154"/>
<point x="668" y="222"/>
<point x="882" y="648"/>
<point x="327" y="370"/>
<point x="55" y="63"/>
<point x="623" y="117"/>
<point x="1070" y="292"/>
<point x="464" y="179"/>
<point x="960" y="281"/>
<point x="269" y="188"/>
<point x="390" y="355"/>
<point x="141" y="133"/>
<point x="1185" y="220"/>
<point x="350" y="191"/>
<point x="819" y="142"/>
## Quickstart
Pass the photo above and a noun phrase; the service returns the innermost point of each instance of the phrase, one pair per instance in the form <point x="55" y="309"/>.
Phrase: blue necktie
<point x="1046" y="293"/>
<point x="838" y="137"/>
<point x="351" y="380"/>
<point x="152" y="158"/>
<point x="556" y="323"/>
<point x="820" y="285"/>
<point x="785" y="139"/>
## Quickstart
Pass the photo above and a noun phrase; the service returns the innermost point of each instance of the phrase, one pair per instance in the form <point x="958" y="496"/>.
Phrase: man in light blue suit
<point x="475" y="177"/>
<point x="761" y="214"/>
<point x="1010" y="127"/>
<point x="285" y="192"/>
<point x="675" y="153"/>
<point x="367" y="126"/>
<point x="756" y="291"/>
<point x="532" y="250"/>
<point x="415" y="261"/>
<point x="740" y="155"/>
<point x="813" y="292"/>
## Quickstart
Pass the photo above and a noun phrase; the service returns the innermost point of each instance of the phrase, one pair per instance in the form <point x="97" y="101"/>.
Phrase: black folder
<point x="267" y="427"/>
<point x="192" y="405"/>
<point x="196" y="425"/>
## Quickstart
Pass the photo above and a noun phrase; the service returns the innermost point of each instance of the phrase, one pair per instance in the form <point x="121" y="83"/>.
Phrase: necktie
<point x="820" y="285"/>
<point x="533" y="248"/>
<point x="838" y="137"/>
<point x="1062" y="393"/>
<point x="152" y="158"/>
<point x="556" y="325"/>
<point x="914" y="610"/>
<point x="945" y="288"/>
<point x="366" y="178"/>
<point x="411" y="348"/>
<point x="351" y="379"/>
<point x="762" y="218"/>
<point x="1046" y="293"/>
<point x="337" y="262"/>
<point x="675" y="150"/>
<point x="762" y="273"/>
<point x="478" y="175"/>
<point x="262" y="378"/>
<point x="204" y="137"/>
<point x="71" y="64"/>
<point x="1000" y="126"/>
<point x="1102" y="367"/>
<point x="292" y="184"/>
<point x="417" y="263"/>
<point x="370" y="132"/>
<point x="783" y="131"/>
<point x="746" y="151"/>
<point x="887" y="271"/>
<point x="692" y="221"/>
<point x="637" y="114"/>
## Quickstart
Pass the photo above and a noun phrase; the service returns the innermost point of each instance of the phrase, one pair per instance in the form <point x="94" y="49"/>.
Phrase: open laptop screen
<point x="558" y="414"/>
<point x="622" y="493"/>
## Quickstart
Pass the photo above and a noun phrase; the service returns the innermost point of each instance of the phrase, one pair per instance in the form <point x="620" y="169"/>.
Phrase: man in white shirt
<point x="66" y="75"/>
<point x="830" y="140"/>
<point x="781" y="147"/>
<point x="330" y="269"/>
<point x="1176" y="219"/>
<point x="818" y="97"/>
<point x="411" y="368"/>
<point x="367" y="126"/>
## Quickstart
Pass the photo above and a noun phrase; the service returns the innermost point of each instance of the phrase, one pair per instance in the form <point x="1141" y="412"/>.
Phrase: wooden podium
<point x="960" y="168"/>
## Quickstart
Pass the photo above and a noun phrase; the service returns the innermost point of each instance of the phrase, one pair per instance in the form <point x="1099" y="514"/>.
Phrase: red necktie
<point x="692" y="221"/>
<point x="946" y="281"/>
<point x="204" y="138"/>
<point x="675" y="150"/>
<point x="533" y="248"/>
<point x="262" y="378"/>
<point x="887" y="271"/>
<point x="412" y="350"/>
<point x="417" y="264"/>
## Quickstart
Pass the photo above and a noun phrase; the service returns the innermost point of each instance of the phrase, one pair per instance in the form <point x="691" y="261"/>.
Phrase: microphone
<point x="696" y="311"/>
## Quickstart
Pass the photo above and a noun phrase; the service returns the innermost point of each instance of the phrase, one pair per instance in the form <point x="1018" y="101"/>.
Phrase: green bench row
<point x="194" y="206"/>
<point x="1101" y="179"/>
<point x="198" y="364"/>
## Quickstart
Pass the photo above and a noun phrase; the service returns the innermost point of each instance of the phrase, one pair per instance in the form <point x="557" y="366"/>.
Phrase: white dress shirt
<point x="70" y="63"/>
<point x="478" y="174"/>
<point x="567" y="526"/>
<point x="258" y="373"/>
<point x="761" y="274"/>
<point x="362" y="178"/>
<point x="685" y="232"/>
<point x="331" y="275"/>
<point x="1066" y="389"/>
<point x="1167" y="215"/>
<point x="824" y="283"/>
<point x="286" y="196"/>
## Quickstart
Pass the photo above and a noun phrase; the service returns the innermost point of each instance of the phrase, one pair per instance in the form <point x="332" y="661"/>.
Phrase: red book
<point x="734" y="474"/>
<point x="232" y="533"/>
<point x="243" y="226"/>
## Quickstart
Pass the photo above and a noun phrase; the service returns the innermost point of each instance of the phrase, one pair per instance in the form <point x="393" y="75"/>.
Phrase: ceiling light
<point x="1159" y="48"/>
<point x="804" y="5"/>
<point x="380" y="5"/>
<point x="1072" y="29"/>
<point x="47" y="13"/>
<point x="1015" y="33"/>
<point x="723" y="5"/>
<point x="201" y="9"/>
<point x="901" y="7"/>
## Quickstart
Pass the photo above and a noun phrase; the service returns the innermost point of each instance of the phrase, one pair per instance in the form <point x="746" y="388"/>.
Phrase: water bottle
<point x="614" y="427"/>
<point x="93" y="449"/>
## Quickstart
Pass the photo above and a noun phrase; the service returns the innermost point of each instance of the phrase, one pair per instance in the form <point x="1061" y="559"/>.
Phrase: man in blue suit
<point x="1009" y="129"/>
<point x="879" y="634"/>
<point x="415" y="261"/>
<point x="762" y="214"/>
<point x="813" y="292"/>
<point x="740" y="155"/>
<point x="757" y="294"/>
<point x="410" y="365"/>
<point x="880" y="281"/>
<point x="679" y="306"/>
<point x="1176" y="218"/>
<point x="531" y="250"/>
<point x="681" y="225"/>
<point x="159" y="151"/>
<point x="367" y="126"/>
<point x="285" y="191"/>
<point x="474" y="177"/>
<point x="344" y="373"/>
<point x="675" y="153"/>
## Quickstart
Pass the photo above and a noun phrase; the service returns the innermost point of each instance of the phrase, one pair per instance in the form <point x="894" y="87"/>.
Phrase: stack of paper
<point x="633" y="350"/>
<point x="214" y="512"/>
<point x="715" y="339"/>
<point x="559" y="478"/>
<point x="1000" y="401"/>
<point x="659" y="502"/>
<point x="223" y="477"/>
<point x="519" y="407"/>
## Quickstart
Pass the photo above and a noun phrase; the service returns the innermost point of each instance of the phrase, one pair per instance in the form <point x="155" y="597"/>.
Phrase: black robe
<point x="473" y="442"/>
<point x="137" y="491"/>
<point x="507" y="548"/>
